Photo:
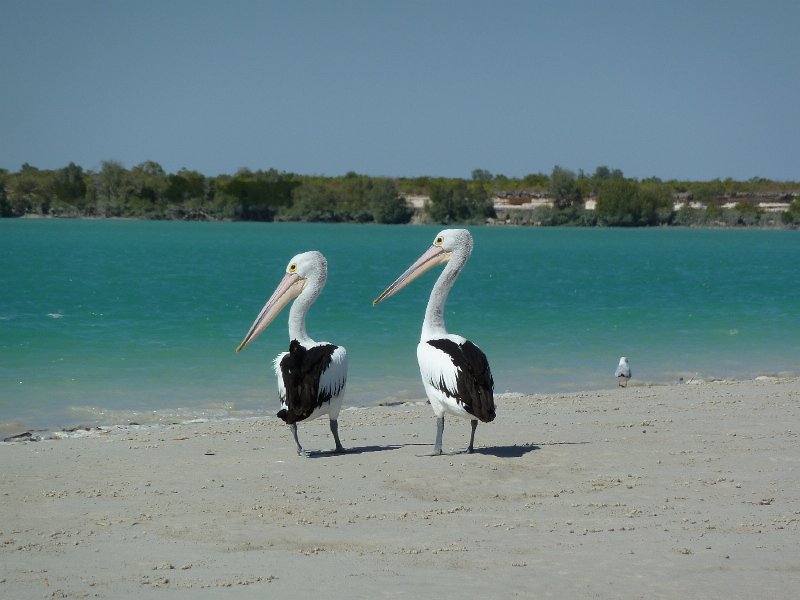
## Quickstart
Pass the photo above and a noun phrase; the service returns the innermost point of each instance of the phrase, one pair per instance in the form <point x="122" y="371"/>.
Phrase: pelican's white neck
<point x="299" y="310"/>
<point x="433" y="325"/>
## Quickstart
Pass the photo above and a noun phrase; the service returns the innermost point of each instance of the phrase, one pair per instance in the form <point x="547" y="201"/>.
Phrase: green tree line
<point x="146" y="191"/>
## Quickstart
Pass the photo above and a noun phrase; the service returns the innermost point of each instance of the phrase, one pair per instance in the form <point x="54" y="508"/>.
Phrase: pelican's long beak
<point x="435" y="255"/>
<point x="289" y="288"/>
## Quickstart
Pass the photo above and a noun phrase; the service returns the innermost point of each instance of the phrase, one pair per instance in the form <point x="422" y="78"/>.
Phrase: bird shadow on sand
<point x="508" y="451"/>
<point x="356" y="450"/>
<point x="499" y="451"/>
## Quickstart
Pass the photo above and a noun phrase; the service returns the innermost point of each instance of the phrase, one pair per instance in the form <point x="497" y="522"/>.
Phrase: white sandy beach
<point x="684" y="491"/>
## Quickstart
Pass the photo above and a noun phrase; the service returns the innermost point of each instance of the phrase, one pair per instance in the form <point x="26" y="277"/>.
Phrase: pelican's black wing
<point x="301" y="369"/>
<point x="474" y="383"/>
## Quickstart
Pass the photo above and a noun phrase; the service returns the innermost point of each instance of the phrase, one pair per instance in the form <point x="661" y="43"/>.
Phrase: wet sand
<point x="684" y="491"/>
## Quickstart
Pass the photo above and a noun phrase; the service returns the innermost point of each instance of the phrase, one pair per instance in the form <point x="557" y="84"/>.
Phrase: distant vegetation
<point x="604" y="198"/>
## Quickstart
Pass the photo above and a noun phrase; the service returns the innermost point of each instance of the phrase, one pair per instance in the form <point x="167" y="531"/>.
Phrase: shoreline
<point x="656" y="491"/>
<point x="489" y="222"/>
<point x="11" y="433"/>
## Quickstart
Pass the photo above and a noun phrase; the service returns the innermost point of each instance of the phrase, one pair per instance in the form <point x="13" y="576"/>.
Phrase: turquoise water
<point x="104" y="322"/>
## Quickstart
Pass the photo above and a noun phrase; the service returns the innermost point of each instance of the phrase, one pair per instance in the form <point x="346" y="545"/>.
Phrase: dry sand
<point x="685" y="491"/>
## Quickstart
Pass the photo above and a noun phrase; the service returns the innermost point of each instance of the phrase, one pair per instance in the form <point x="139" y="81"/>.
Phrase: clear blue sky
<point x="675" y="89"/>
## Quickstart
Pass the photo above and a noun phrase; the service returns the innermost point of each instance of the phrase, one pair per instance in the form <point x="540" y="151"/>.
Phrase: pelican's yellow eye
<point x="292" y="267"/>
<point x="439" y="241"/>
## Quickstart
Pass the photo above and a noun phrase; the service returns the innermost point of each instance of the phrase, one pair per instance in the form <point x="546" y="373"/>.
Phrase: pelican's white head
<point x="454" y="241"/>
<point x="447" y="244"/>
<point x="309" y="266"/>
<point x="306" y="271"/>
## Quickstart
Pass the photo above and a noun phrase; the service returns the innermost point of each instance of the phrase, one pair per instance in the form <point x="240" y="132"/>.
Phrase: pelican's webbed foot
<point x="335" y="431"/>
<point x="434" y="452"/>
<point x="471" y="447"/>
<point x="300" y="451"/>
<point x="437" y="445"/>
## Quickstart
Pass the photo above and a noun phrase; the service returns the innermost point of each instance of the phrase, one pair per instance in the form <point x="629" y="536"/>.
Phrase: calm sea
<point x="106" y="322"/>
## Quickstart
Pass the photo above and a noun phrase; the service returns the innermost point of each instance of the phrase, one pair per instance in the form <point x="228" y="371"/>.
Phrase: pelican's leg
<point x="335" y="432"/>
<point x="437" y="445"/>
<point x="300" y="451"/>
<point x="474" y="424"/>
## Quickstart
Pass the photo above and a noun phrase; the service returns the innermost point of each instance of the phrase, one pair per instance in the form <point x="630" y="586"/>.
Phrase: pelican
<point x="311" y="375"/>
<point x="454" y="371"/>
<point x="623" y="372"/>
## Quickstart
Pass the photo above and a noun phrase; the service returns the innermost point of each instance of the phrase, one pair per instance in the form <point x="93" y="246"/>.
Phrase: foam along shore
<point x="649" y="491"/>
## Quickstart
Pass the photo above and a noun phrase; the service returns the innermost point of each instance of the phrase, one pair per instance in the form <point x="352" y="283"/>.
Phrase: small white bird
<point x="311" y="375"/>
<point x="623" y="372"/>
<point x="455" y="372"/>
